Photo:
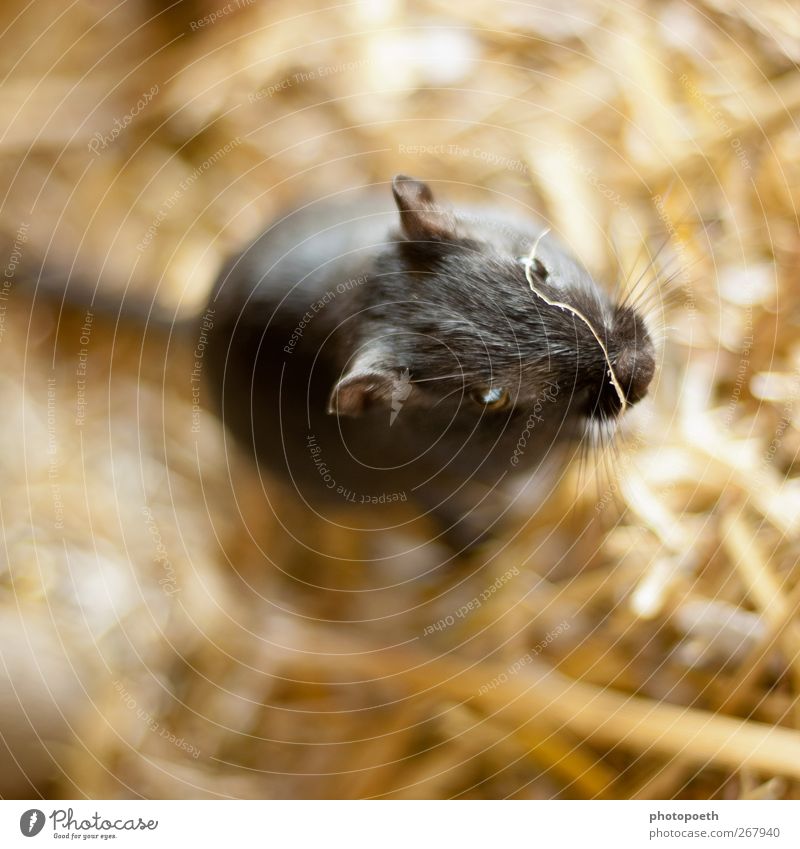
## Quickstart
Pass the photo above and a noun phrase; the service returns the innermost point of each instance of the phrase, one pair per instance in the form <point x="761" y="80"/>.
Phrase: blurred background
<point x="164" y="635"/>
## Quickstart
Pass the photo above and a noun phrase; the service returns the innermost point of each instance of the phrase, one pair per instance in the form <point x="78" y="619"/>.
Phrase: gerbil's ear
<point x="422" y="219"/>
<point x="361" y="389"/>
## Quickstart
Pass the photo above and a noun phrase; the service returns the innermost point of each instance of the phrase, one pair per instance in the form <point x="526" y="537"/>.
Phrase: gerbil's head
<point x="460" y="321"/>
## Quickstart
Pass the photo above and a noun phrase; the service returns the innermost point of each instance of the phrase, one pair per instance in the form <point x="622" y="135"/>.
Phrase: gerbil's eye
<point x="491" y="398"/>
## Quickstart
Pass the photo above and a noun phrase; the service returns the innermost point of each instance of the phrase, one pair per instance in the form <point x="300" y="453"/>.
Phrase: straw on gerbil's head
<point x="529" y="263"/>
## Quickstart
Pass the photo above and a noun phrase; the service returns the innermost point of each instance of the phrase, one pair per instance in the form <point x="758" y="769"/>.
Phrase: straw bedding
<point x="174" y="626"/>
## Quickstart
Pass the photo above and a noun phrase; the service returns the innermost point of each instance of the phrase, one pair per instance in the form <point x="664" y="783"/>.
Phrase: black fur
<point x="418" y="313"/>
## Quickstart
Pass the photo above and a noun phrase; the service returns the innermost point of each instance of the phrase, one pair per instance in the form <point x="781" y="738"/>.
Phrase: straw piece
<point x="763" y="586"/>
<point x="578" y="314"/>
<point x="597" y="713"/>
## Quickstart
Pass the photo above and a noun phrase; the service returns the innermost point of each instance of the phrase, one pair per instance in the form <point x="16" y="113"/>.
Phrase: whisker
<point x="632" y="291"/>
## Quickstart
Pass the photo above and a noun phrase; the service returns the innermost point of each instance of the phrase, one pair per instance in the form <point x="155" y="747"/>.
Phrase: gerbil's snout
<point x="635" y="368"/>
<point x="634" y="363"/>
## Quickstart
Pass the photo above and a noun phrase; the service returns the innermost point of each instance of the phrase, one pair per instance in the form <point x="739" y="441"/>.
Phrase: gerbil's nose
<point x="634" y="368"/>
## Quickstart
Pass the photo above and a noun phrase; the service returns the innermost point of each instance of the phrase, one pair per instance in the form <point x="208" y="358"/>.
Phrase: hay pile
<point x="167" y="635"/>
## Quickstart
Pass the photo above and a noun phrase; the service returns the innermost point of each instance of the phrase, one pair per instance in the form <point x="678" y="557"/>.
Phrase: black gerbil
<point x="364" y="358"/>
<point x="367" y="353"/>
